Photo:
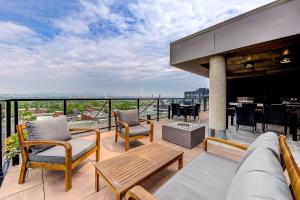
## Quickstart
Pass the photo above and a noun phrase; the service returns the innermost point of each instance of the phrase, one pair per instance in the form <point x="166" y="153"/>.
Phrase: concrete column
<point x="217" y="96"/>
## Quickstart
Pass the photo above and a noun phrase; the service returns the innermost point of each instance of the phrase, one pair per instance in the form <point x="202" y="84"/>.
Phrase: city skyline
<point x="107" y="48"/>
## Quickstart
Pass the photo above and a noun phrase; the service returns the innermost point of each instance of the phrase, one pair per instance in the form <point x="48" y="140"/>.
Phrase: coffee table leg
<point x="117" y="196"/>
<point x="180" y="162"/>
<point x="96" y="181"/>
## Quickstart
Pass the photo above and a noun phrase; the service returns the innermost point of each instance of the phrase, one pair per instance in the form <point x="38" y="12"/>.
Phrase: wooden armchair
<point x="128" y="127"/>
<point x="68" y="161"/>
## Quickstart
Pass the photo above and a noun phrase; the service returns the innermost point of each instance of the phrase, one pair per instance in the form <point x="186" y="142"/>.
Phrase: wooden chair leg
<point x="151" y="137"/>
<point x="98" y="155"/>
<point x="126" y="145"/>
<point x="68" y="178"/>
<point x="23" y="173"/>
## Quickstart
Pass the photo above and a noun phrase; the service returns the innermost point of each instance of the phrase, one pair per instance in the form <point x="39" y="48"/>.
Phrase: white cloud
<point x="11" y="32"/>
<point x="136" y="49"/>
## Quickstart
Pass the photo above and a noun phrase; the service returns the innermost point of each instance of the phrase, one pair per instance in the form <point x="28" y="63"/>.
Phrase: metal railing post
<point x="8" y="118"/>
<point x="109" y="114"/>
<point x="65" y="107"/>
<point x="157" y="110"/>
<point x="16" y="115"/>
<point x="138" y="104"/>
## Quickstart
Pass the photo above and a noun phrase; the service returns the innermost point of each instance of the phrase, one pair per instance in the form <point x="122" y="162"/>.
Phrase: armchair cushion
<point x="131" y="117"/>
<point x="50" y="129"/>
<point x="56" y="154"/>
<point x="268" y="140"/>
<point x="137" y="130"/>
<point x="260" y="177"/>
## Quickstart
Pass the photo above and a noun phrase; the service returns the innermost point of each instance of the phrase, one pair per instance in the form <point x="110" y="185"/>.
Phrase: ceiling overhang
<point x="269" y="28"/>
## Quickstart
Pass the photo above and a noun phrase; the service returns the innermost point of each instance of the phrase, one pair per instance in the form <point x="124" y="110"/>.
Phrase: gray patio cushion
<point x="269" y="140"/>
<point x="56" y="154"/>
<point x="48" y="129"/>
<point x="131" y="117"/>
<point x="259" y="177"/>
<point x="207" y="177"/>
<point x="137" y="130"/>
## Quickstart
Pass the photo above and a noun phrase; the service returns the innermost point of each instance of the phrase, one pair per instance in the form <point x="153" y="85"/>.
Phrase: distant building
<point x="201" y="92"/>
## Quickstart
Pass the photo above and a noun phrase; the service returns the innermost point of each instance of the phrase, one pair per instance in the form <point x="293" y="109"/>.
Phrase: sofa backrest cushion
<point x="268" y="140"/>
<point x="48" y="129"/>
<point x="259" y="177"/>
<point x="131" y="117"/>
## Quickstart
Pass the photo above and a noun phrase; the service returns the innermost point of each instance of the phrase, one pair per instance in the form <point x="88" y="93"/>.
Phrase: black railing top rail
<point x="93" y="98"/>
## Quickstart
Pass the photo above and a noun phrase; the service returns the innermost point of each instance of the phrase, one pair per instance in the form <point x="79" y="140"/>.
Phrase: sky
<point x="103" y="47"/>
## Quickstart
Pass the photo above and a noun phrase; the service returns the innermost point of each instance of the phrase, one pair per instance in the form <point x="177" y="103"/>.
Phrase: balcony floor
<point x="44" y="184"/>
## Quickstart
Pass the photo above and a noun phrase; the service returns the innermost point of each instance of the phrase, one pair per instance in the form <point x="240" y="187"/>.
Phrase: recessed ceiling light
<point x="285" y="52"/>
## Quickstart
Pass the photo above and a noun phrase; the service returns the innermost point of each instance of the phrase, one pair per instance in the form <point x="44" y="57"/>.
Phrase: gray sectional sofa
<point x="259" y="174"/>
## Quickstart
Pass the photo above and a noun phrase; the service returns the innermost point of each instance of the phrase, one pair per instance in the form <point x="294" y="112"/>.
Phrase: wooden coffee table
<point x="124" y="171"/>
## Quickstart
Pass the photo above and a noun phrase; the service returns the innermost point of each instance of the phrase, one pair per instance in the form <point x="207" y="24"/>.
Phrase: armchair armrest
<point x="151" y="128"/>
<point x="65" y="144"/>
<point x="139" y="193"/>
<point x="229" y="143"/>
<point x="126" y="126"/>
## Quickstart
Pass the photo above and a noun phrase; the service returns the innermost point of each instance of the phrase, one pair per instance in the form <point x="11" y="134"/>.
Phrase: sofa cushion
<point x="131" y="117"/>
<point x="269" y="140"/>
<point x="56" y="154"/>
<point x="259" y="177"/>
<point x="206" y="177"/>
<point x="48" y="129"/>
<point x="137" y="130"/>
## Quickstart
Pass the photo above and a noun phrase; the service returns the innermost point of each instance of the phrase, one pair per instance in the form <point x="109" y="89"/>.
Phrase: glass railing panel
<point x="123" y="104"/>
<point x="148" y="108"/>
<point x="179" y="100"/>
<point x="87" y="113"/>
<point x="163" y="107"/>
<point x="38" y="110"/>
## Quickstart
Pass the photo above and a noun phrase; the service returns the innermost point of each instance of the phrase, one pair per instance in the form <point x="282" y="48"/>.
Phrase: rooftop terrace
<point x="44" y="184"/>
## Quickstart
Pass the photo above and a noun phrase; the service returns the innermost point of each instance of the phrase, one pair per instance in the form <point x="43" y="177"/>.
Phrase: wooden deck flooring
<point x="44" y="184"/>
